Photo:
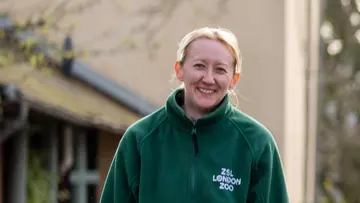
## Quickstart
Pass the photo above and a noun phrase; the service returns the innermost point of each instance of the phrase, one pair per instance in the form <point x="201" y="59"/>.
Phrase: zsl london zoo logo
<point x="226" y="180"/>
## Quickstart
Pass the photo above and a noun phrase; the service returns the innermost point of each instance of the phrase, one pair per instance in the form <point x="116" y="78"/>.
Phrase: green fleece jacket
<point x="226" y="156"/>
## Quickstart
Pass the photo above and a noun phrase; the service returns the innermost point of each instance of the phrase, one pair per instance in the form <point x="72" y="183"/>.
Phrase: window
<point x="80" y="184"/>
<point x="84" y="178"/>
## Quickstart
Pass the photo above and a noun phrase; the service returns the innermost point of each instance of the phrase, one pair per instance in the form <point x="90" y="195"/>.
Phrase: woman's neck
<point x="192" y="112"/>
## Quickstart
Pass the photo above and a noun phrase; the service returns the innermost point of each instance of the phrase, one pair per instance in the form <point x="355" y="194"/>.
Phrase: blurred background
<point x="75" y="74"/>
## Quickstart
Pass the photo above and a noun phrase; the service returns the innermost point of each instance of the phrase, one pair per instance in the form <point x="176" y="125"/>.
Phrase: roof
<point x="86" y="97"/>
<point x="69" y="100"/>
<point x="83" y="72"/>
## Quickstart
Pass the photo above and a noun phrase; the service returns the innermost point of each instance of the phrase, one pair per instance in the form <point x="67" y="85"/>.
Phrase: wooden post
<point x="19" y="155"/>
<point x="18" y="168"/>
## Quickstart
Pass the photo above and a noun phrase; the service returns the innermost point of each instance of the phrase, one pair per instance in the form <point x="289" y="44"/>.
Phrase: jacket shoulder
<point x="255" y="133"/>
<point x="145" y="125"/>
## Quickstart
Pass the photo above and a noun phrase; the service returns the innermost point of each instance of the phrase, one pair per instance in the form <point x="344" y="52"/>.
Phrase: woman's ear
<point x="178" y="71"/>
<point x="234" y="80"/>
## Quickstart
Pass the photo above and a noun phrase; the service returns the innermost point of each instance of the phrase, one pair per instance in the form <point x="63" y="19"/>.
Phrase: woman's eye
<point x="221" y="70"/>
<point x="199" y="65"/>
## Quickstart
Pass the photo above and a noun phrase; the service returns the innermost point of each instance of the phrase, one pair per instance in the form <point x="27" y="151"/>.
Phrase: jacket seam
<point x="246" y="140"/>
<point x="141" y="144"/>
<point x="151" y="131"/>
<point x="133" y="179"/>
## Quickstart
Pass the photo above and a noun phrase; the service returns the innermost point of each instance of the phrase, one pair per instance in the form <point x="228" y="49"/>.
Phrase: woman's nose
<point x="209" y="78"/>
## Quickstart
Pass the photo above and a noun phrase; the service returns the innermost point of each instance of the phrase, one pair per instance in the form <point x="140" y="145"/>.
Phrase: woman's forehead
<point x="208" y="49"/>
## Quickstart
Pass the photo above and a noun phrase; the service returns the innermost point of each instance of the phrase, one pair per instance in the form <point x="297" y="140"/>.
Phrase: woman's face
<point x="207" y="73"/>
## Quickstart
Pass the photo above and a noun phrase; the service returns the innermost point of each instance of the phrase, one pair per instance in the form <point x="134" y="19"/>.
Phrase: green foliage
<point x="38" y="184"/>
<point x="339" y="140"/>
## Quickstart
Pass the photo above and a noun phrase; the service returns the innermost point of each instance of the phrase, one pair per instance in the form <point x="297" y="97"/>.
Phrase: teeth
<point x="206" y="91"/>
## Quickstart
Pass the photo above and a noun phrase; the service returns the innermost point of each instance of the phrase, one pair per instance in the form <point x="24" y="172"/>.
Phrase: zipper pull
<point x="195" y="141"/>
<point x="193" y="132"/>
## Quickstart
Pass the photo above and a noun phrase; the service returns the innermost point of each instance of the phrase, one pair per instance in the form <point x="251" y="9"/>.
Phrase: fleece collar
<point x="180" y="119"/>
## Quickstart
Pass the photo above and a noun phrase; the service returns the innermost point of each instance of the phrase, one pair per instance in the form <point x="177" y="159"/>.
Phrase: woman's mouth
<point x="206" y="91"/>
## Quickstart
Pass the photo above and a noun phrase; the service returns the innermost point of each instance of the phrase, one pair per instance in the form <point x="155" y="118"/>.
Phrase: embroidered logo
<point x="226" y="180"/>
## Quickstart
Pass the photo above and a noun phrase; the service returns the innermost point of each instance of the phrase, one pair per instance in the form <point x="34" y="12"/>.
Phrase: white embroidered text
<point x="226" y="180"/>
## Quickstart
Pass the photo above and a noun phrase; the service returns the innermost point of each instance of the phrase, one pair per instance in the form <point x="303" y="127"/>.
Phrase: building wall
<point x="294" y="135"/>
<point x="107" y="146"/>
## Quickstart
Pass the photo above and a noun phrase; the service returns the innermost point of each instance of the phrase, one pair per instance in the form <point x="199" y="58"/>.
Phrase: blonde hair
<point x="222" y="35"/>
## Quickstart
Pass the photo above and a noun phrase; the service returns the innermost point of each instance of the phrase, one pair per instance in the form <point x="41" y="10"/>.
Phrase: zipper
<point x="193" y="164"/>
<point x="195" y="141"/>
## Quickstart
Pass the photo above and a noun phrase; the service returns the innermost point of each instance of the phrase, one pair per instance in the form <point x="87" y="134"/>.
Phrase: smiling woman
<point x="208" y="63"/>
<point x="198" y="147"/>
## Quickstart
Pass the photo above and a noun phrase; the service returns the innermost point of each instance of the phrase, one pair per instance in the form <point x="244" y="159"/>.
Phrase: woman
<point x="198" y="147"/>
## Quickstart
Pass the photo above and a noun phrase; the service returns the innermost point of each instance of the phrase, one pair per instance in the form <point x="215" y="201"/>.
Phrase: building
<point x="134" y="44"/>
<point x="57" y="126"/>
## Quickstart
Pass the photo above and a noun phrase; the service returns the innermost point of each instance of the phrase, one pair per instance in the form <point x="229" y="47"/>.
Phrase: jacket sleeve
<point x="122" y="180"/>
<point x="268" y="183"/>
